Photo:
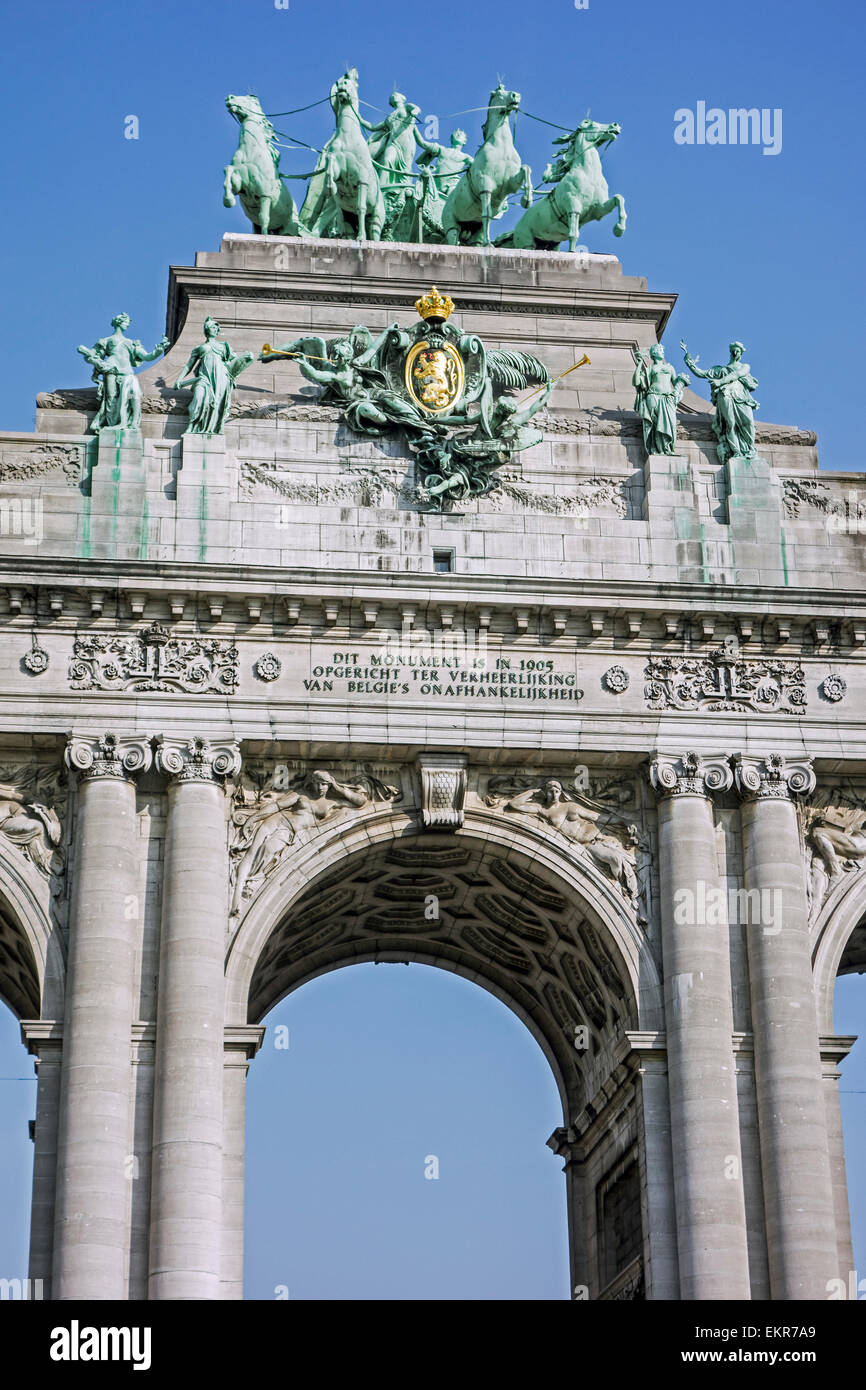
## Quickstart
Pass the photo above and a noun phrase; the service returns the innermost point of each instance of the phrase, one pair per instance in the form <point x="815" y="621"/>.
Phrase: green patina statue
<point x="453" y="398"/>
<point x="254" y="173"/>
<point x="114" y="360"/>
<point x="481" y="194"/>
<point x="393" y="152"/>
<point x="441" y="169"/>
<point x="658" y="392"/>
<point x="731" y="389"/>
<point x="213" y="369"/>
<point x="580" y="195"/>
<point x="344" y="197"/>
<point x="369" y="190"/>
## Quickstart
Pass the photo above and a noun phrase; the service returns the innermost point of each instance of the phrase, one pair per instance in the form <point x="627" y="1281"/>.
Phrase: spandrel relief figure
<point x="731" y="389"/>
<point x="213" y="369"/>
<point x="658" y="392"/>
<point x="34" y="828"/>
<point x="274" y="820"/>
<point x="550" y="803"/>
<point x="114" y="360"/>
<point x="835" y="838"/>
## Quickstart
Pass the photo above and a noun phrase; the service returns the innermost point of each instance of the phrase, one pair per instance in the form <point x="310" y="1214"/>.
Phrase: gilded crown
<point x="434" y="305"/>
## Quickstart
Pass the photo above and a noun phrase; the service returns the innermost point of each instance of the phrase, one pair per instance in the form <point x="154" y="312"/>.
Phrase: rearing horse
<point x="345" y="180"/>
<point x="497" y="170"/>
<point x="254" y="173"/>
<point x="580" y="195"/>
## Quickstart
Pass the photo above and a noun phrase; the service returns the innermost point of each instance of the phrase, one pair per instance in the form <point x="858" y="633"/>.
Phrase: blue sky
<point x="389" y="1064"/>
<point x="767" y="249"/>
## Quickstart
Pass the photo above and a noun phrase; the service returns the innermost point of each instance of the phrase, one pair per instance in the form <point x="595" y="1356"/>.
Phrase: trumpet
<point x="584" y="362"/>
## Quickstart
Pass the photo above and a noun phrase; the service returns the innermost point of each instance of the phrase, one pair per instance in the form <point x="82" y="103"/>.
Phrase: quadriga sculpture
<point x="580" y="195"/>
<point x="344" y="197"/>
<point x="496" y="171"/>
<point x="254" y="173"/>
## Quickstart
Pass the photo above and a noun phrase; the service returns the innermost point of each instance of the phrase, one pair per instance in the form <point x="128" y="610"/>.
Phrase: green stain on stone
<point x="784" y="555"/>
<point x="144" y="533"/>
<point x="705" y="569"/>
<point x="202" y="513"/>
<point x="85" y="529"/>
<point x="115" y="487"/>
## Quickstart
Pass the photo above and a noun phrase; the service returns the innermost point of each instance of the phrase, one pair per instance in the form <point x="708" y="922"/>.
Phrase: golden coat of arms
<point x="434" y="376"/>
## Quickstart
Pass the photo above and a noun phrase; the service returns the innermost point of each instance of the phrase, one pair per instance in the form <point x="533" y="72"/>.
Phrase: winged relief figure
<point x="455" y="399"/>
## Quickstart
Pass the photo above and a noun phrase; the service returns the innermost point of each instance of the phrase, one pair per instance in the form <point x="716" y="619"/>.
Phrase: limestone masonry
<point x="263" y="697"/>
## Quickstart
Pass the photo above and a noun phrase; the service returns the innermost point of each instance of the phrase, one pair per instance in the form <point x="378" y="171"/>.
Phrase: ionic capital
<point x="197" y="759"/>
<point x="107" y="755"/>
<point x="773" y="775"/>
<point x="689" y="774"/>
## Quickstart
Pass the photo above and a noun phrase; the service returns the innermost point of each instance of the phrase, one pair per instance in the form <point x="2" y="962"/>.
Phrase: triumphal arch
<point x="362" y="625"/>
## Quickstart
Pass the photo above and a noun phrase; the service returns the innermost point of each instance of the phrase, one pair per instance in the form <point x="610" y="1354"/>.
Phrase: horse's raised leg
<point x="230" y="188"/>
<point x="526" y="200"/>
<point x="484" y="199"/>
<point x="621" y="221"/>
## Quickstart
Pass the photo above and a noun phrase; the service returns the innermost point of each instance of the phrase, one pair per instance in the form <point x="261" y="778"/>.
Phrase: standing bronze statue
<point x="731" y="388"/>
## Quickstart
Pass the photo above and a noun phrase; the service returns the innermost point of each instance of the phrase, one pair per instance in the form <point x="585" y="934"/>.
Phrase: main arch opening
<point x="19" y="998"/>
<point x="496" y="915"/>
<point x="849" y="1016"/>
<point x="396" y="1127"/>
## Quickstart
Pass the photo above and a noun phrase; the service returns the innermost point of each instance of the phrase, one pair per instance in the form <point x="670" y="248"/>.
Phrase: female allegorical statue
<point x="731" y="388"/>
<point x="213" y="368"/>
<point x="658" y="391"/>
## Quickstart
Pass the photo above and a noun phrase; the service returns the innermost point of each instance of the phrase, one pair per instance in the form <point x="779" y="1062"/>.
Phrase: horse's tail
<point x="504" y="239"/>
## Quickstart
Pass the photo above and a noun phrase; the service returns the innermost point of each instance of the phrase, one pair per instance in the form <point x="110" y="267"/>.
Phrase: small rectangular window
<point x="443" y="561"/>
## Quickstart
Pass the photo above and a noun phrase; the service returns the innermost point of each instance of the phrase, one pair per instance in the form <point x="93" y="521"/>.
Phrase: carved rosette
<point x="107" y="755"/>
<point x="690" y="774"/>
<point x="443" y="790"/>
<point x="197" y="760"/>
<point x="773" y="775"/>
<point x="833" y="688"/>
<point x="616" y="680"/>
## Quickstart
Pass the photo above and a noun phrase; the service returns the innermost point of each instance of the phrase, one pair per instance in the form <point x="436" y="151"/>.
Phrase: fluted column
<point x="792" y="1123"/>
<point x="91" y="1234"/>
<point x="705" y="1135"/>
<point x="186" y="1201"/>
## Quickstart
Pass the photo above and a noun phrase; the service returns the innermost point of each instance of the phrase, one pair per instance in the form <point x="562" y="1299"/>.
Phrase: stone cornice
<point x="609" y="595"/>
<point x="772" y="776"/>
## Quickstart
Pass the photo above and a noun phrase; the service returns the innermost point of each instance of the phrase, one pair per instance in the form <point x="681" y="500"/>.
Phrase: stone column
<point x="833" y="1051"/>
<point x="565" y="1143"/>
<point x="792" y="1124"/>
<point x="44" y="1040"/>
<point x="705" y="1135"/>
<point x="91" y="1233"/>
<point x="186" y="1200"/>
<point x="242" y="1042"/>
<point x="644" y="1054"/>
